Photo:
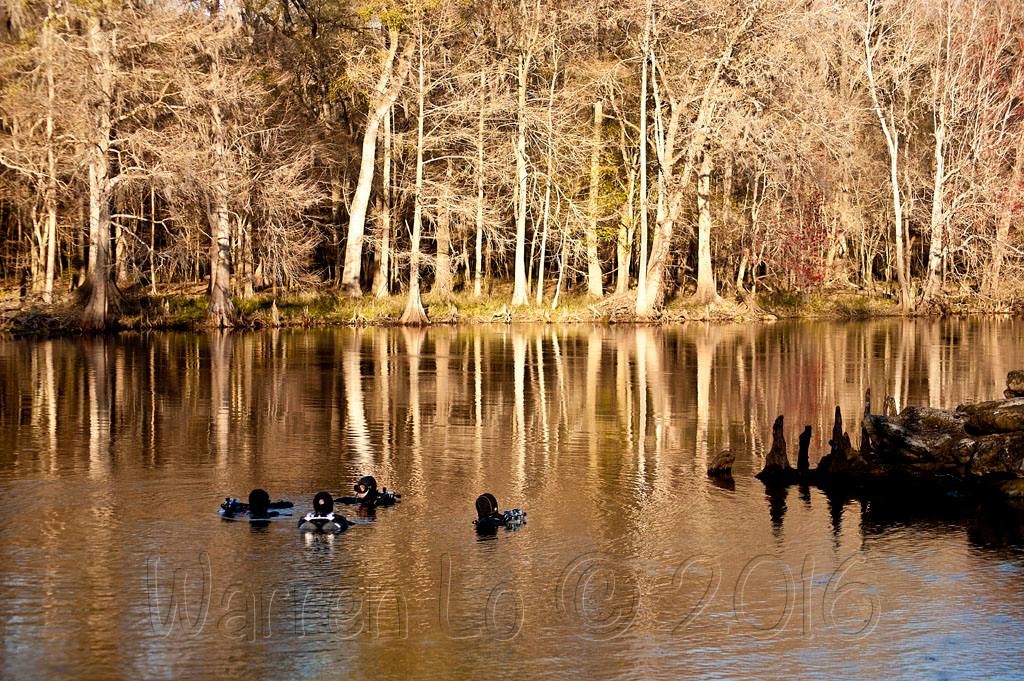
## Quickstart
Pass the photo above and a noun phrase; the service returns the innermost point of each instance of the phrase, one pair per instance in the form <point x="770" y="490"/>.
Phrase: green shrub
<point x="782" y="301"/>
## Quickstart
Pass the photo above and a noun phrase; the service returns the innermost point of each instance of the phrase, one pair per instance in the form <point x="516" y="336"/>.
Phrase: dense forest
<point x="640" y="149"/>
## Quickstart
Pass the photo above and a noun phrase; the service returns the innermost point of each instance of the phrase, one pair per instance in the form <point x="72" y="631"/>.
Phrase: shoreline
<point x="184" y="308"/>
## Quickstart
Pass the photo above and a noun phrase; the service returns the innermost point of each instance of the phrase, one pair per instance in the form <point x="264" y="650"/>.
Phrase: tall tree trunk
<point x="593" y="263"/>
<point x="382" y="276"/>
<point x="892" y="144"/>
<point x="935" y="248"/>
<point x="388" y="86"/>
<point x="902" y="275"/>
<point x="562" y="260"/>
<point x="37" y="250"/>
<point x="50" y="196"/>
<point x="519" y="292"/>
<point x="444" y="282"/>
<point x="221" y="312"/>
<point x="994" y="275"/>
<point x="741" y="271"/>
<point x="414" y="312"/>
<point x="152" y="239"/>
<point x="478" y="274"/>
<point x="248" y="256"/>
<point x="664" y="146"/>
<point x="624" y="240"/>
<point x="81" y="259"/>
<point x="649" y="294"/>
<point x="641" y="284"/>
<point x="545" y="228"/>
<point x="120" y="246"/>
<point x="336" y="206"/>
<point x="707" y="291"/>
<point x="549" y="171"/>
<point x="101" y="289"/>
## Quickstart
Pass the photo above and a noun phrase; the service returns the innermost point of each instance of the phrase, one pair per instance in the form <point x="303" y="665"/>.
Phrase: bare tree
<point x="414" y="312"/>
<point x="720" y="148"/>
<point x="393" y="73"/>
<point x="884" y="26"/>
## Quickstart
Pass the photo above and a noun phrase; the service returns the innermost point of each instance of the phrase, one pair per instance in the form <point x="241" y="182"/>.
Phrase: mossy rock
<point x="1013" y="489"/>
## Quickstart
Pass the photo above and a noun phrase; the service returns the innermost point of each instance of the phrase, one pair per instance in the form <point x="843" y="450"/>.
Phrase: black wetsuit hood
<point x="486" y="506"/>
<point x="259" y="503"/>
<point x="323" y="504"/>
<point x="367" y="487"/>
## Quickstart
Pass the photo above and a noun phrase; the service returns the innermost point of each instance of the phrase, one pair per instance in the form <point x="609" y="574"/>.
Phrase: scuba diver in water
<point x="368" y="496"/>
<point x="489" y="518"/>
<point x="260" y="507"/>
<point x="322" y="518"/>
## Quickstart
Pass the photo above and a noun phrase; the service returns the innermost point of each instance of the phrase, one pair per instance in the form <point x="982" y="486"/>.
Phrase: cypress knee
<point x="803" y="464"/>
<point x="776" y="465"/>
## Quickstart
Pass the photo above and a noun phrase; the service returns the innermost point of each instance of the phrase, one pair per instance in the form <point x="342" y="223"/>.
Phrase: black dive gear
<point x="259" y="506"/>
<point x="489" y="518"/>
<point x="368" y="495"/>
<point x="366" y="486"/>
<point x="323" y="503"/>
<point x="322" y="518"/>
<point x="259" y="502"/>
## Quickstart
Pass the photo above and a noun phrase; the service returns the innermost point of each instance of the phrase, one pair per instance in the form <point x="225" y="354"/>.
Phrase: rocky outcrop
<point x="1000" y="416"/>
<point x="975" y="443"/>
<point x="1014" y="384"/>
<point x="924" y="442"/>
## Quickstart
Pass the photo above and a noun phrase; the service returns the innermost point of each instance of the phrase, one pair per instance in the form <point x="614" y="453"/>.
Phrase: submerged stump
<point x="721" y="465"/>
<point x="803" y="463"/>
<point x="777" y="469"/>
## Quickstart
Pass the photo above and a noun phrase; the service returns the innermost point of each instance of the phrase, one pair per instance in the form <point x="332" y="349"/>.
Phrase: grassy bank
<point x="185" y="308"/>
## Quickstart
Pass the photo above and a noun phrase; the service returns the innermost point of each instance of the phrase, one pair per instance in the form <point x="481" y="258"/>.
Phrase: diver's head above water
<point x="368" y="495"/>
<point x="366" y="488"/>
<point x="323" y="518"/>
<point x="323" y="503"/>
<point x="486" y="506"/>
<point x="259" y="502"/>
<point x="489" y="517"/>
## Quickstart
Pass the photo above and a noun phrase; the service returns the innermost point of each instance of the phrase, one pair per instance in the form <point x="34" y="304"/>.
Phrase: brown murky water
<point x="115" y="452"/>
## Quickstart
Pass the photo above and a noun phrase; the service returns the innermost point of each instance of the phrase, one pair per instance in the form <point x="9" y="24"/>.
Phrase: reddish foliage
<point x="802" y="238"/>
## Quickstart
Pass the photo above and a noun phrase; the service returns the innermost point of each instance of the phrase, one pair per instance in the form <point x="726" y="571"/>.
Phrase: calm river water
<point x="115" y="452"/>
